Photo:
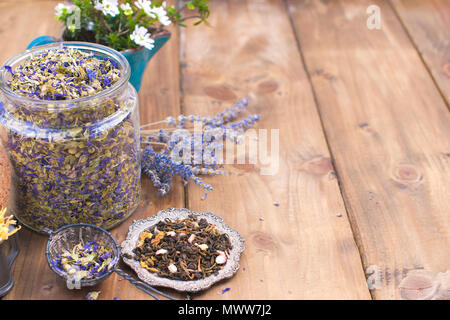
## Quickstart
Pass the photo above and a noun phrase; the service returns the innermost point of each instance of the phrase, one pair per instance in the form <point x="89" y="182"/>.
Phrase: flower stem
<point x="153" y="123"/>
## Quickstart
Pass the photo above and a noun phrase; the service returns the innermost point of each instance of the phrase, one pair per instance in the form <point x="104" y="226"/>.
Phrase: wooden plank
<point x="388" y="128"/>
<point x="29" y="21"/>
<point x="428" y="24"/>
<point x="302" y="249"/>
<point x="28" y="1"/>
<point x="159" y="98"/>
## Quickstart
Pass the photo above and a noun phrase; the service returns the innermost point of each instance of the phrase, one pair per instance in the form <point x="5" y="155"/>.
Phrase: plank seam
<point x="415" y="46"/>
<point x="181" y="53"/>
<point x="316" y="102"/>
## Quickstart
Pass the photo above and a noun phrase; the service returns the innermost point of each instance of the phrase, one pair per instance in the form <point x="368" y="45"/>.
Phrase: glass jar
<point x="73" y="160"/>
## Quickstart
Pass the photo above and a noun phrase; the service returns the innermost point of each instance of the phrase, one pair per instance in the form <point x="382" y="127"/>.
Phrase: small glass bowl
<point x="68" y="237"/>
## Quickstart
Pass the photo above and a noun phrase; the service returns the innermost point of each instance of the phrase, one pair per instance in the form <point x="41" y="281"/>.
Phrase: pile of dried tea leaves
<point x="185" y="249"/>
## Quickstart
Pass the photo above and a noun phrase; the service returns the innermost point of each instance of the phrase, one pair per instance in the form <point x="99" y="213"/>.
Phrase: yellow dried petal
<point x="144" y="235"/>
<point x="157" y="238"/>
<point x="145" y="266"/>
<point x="5" y="223"/>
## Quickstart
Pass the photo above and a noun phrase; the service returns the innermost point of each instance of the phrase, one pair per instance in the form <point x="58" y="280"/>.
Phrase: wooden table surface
<point x="364" y="135"/>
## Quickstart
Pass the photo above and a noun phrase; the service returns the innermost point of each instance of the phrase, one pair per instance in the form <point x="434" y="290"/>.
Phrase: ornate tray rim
<point x="138" y="226"/>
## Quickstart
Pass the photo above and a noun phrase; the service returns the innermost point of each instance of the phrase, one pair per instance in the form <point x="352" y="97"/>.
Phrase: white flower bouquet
<point x="126" y="24"/>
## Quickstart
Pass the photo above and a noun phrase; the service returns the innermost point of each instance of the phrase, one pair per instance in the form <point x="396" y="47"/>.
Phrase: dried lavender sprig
<point x="231" y="131"/>
<point x="218" y="120"/>
<point x="207" y="171"/>
<point x="161" y="167"/>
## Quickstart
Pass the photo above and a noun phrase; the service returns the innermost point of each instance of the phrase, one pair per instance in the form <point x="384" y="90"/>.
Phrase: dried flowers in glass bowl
<point x="70" y="123"/>
<point x="82" y="253"/>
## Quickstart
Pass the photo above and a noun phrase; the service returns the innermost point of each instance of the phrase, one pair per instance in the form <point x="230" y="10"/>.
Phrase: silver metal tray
<point x="138" y="226"/>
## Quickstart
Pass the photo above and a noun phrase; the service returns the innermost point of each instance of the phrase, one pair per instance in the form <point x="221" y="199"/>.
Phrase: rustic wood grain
<point x="385" y="123"/>
<point x="428" y="24"/>
<point x="302" y="248"/>
<point x="388" y="128"/>
<point x="158" y="98"/>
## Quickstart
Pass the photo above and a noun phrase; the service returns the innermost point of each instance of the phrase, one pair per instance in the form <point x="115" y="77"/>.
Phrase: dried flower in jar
<point x="76" y="161"/>
<point x="64" y="74"/>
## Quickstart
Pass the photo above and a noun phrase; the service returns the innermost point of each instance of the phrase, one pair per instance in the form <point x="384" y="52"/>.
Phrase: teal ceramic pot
<point x="137" y="58"/>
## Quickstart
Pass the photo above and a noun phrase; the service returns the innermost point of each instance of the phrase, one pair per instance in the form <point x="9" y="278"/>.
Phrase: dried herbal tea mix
<point x="186" y="249"/>
<point x="63" y="75"/>
<point x="75" y="155"/>
<point x="84" y="261"/>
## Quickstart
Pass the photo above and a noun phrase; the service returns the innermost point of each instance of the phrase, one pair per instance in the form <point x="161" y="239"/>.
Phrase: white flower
<point x="72" y="27"/>
<point x="62" y="9"/>
<point x="98" y="5"/>
<point x="127" y="10"/>
<point x="90" y="25"/>
<point x="161" y="14"/>
<point x="110" y="7"/>
<point x="141" y="37"/>
<point x="154" y="13"/>
<point x="145" y="5"/>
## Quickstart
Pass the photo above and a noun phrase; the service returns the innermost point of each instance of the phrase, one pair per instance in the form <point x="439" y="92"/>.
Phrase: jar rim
<point x="86" y="46"/>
